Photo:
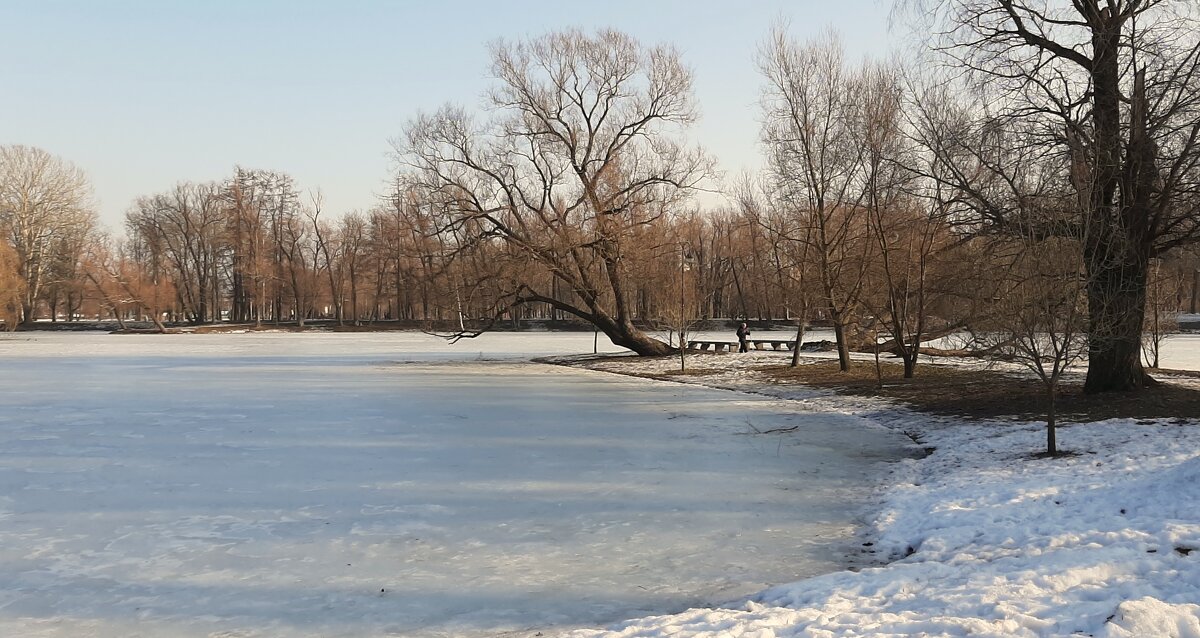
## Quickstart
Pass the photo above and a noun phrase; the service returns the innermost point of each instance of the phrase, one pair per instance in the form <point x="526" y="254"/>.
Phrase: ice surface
<point x="376" y="484"/>
<point x="1181" y="352"/>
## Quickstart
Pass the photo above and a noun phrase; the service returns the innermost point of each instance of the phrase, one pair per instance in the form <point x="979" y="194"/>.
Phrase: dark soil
<point x="989" y="394"/>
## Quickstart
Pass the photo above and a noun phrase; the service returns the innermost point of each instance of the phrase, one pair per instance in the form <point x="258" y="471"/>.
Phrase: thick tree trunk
<point x="623" y="333"/>
<point x="1116" y="307"/>
<point x="1116" y="254"/>
<point x="910" y="361"/>
<point x="619" y="329"/>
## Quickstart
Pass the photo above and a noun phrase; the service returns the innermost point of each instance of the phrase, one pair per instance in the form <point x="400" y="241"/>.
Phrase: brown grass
<point x="689" y="372"/>
<point x="990" y="394"/>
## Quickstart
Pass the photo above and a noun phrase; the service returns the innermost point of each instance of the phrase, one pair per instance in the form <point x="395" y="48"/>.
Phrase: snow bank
<point x="987" y="540"/>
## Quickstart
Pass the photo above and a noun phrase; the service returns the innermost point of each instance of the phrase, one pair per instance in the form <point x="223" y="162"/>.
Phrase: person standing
<point x="743" y="334"/>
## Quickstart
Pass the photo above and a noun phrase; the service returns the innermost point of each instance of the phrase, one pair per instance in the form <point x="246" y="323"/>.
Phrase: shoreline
<point x="856" y="553"/>
<point x="1099" y="542"/>
<point x="557" y="492"/>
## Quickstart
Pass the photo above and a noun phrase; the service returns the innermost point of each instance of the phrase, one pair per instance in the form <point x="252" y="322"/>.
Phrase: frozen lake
<point x="388" y="484"/>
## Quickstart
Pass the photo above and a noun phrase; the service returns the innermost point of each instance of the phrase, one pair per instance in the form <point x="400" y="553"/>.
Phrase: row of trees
<point x="1066" y="124"/>
<point x="1048" y="158"/>
<point x="255" y="248"/>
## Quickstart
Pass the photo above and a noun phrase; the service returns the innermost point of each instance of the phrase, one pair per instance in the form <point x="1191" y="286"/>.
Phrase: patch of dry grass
<point x="689" y="372"/>
<point x="990" y="394"/>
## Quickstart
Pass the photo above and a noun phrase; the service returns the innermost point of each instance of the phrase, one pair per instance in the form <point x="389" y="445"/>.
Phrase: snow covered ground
<point x="986" y="540"/>
<point x="374" y="484"/>
<point x="1181" y="352"/>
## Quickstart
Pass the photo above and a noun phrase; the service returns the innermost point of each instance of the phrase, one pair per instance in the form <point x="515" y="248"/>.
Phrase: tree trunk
<point x="909" y="356"/>
<point x="839" y="335"/>
<point x="737" y="282"/>
<point x="354" y="298"/>
<point x="1051" y="432"/>
<point x="1116" y="312"/>
<point x="878" y="370"/>
<point x="623" y="333"/>
<point x="1115" y="254"/>
<point x="619" y="330"/>
<point x="799" y="337"/>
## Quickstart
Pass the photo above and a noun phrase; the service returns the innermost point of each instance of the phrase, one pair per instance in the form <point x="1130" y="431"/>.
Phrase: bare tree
<point x="248" y="194"/>
<point x="185" y="226"/>
<point x="97" y="267"/>
<point x="793" y="245"/>
<point x="816" y="161"/>
<point x="299" y="254"/>
<point x="328" y="258"/>
<point x="353" y="233"/>
<point x="1040" y="314"/>
<point x="680" y="312"/>
<point x="1113" y="85"/>
<point x="580" y="152"/>
<point x="43" y="201"/>
<point x="129" y="278"/>
<point x="907" y="221"/>
<point x="12" y="287"/>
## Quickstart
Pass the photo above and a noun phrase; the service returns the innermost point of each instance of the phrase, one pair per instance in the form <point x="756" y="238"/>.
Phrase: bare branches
<point x="1096" y="105"/>
<point x="816" y="159"/>
<point x="183" y="231"/>
<point x="44" y="201"/>
<point x="579" y="152"/>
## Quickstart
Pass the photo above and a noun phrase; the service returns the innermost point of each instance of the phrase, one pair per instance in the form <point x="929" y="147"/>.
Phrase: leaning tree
<point x="580" y="149"/>
<point x="1112" y="88"/>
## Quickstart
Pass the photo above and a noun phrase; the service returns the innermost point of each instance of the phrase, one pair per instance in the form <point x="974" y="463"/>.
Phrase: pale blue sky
<point x="143" y="94"/>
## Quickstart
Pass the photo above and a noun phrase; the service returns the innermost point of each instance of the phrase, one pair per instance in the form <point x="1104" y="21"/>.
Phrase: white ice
<point x="377" y="484"/>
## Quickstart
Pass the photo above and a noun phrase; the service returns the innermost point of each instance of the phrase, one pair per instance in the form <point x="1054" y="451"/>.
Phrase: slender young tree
<point x="353" y="232"/>
<point x="779" y="224"/>
<point x="809" y="109"/>
<point x="1040" y="313"/>
<point x="328" y="258"/>
<point x="905" y="228"/>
